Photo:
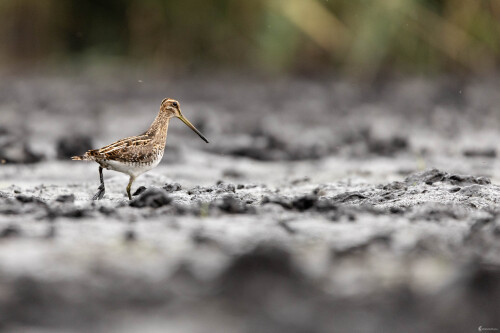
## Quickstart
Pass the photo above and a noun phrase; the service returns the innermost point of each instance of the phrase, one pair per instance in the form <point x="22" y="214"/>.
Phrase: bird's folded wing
<point x="124" y="149"/>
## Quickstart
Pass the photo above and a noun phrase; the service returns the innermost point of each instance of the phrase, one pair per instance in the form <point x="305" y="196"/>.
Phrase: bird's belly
<point x="132" y="168"/>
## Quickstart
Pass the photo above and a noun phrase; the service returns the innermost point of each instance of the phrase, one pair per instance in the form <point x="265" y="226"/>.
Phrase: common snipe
<point x="137" y="154"/>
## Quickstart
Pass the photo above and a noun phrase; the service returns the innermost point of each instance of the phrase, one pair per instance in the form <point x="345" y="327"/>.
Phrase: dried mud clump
<point x="66" y="198"/>
<point x="432" y="176"/>
<point x="233" y="205"/>
<point x="220" y="188"/>
<point x="152" y="197"/>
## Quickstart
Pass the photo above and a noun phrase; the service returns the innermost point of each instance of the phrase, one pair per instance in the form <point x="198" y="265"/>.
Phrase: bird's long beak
<point x="191" y="126"/>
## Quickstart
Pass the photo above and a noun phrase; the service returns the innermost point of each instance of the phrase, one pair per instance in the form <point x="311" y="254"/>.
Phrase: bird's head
<point x="171" y="108"/>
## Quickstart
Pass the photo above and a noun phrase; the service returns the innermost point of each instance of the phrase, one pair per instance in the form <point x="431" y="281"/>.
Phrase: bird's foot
<point x="100" y="193"/>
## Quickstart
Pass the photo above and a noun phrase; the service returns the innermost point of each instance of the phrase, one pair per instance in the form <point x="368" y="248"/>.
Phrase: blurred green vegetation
<point x="355" y="37"/>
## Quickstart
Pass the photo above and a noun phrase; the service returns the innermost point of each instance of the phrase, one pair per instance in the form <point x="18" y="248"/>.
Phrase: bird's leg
<point x="101" y="189"/>
<point x="132" y="178"/>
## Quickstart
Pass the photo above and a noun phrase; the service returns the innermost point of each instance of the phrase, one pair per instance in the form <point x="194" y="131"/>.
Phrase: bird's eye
<point x="175" y="104"/>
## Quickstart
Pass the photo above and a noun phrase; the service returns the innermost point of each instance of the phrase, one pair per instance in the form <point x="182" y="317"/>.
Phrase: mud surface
<point x="318" y="206"/>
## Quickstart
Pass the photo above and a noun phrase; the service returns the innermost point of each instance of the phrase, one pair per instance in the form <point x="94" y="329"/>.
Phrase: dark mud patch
<point x="14" y="148"/>
<point x="480" y="152"/>
<point x="10" y="231"/>
<point x="362" y="143"/>
<point x="70" y="146"/>
<point x="263" y="268"/>
<point x="266" y="146"/>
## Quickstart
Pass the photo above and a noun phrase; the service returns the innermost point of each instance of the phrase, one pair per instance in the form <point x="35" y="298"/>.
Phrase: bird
<point x="136" y="155"/>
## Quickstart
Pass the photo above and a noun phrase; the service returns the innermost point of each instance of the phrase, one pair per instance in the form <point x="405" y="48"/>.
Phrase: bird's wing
<point x="122" y="150"/>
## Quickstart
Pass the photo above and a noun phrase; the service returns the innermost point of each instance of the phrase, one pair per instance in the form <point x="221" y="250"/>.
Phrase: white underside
<point x="132" y="169"/>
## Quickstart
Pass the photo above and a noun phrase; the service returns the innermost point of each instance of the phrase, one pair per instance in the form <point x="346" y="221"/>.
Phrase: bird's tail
<point x="84" y="157"/>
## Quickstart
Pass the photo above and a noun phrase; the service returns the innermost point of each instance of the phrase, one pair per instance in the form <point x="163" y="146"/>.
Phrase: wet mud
<point x="342" y="208"/>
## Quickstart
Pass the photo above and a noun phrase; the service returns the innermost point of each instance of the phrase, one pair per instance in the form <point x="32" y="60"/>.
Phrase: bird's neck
<point x="159" y="128"/>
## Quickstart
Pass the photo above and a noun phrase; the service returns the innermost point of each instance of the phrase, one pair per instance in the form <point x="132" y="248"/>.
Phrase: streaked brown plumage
<point x="137" y="154"/>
